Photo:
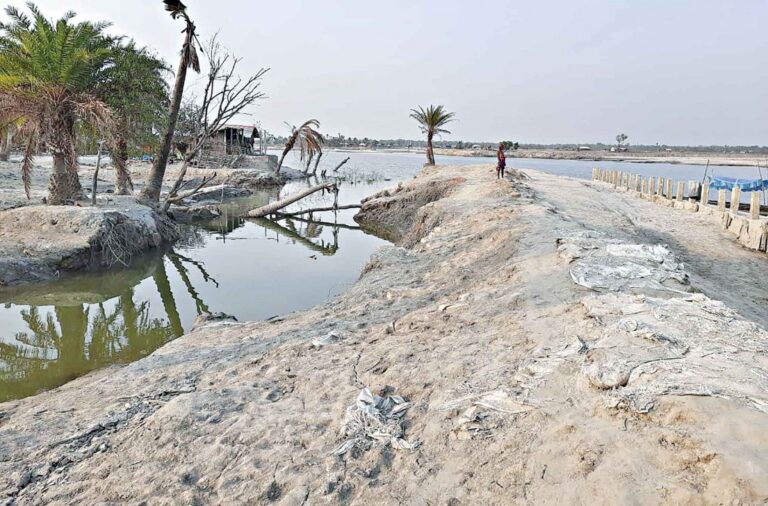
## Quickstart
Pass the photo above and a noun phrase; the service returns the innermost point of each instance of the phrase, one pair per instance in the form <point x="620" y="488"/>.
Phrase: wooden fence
<point x="747" y="221"/>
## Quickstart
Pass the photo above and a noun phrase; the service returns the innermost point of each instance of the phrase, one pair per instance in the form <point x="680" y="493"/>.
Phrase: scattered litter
<point x="569" y="252"/>
<point x="445" y="307"/>
<point x="330" y="338"/>
<point x="374" y="420"/>
<point x="482" y="416"/>
<point x="611" y="265"/>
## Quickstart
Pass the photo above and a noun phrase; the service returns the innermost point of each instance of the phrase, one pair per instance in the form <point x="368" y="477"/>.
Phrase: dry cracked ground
<point x="533" y="341"/>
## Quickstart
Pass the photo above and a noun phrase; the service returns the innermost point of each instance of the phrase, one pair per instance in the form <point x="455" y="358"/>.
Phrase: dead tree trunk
<point x="341" y="164"/>
<point x="280" y="204"/>
<point x="317" y="162"/>
<point x="322" y="209"/>
<point x="309" y="162"/>
<point x="96" y="175"/>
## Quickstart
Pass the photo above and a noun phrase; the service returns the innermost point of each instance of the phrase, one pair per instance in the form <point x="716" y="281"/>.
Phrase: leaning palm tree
<point x="189" y="59"/>
<point x="45" y="74"/>
<point x="431" y="120"/>
<point x="306" y="138"/>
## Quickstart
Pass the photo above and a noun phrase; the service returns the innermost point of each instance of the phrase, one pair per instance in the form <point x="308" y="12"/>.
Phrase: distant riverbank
<point x="673" y="157"/>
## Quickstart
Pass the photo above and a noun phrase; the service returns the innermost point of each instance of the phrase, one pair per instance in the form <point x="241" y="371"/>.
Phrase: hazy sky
<point x="671" y="71"/>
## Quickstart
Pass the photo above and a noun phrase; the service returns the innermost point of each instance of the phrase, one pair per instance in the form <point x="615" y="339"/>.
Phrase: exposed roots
<point x="121" y="237"/>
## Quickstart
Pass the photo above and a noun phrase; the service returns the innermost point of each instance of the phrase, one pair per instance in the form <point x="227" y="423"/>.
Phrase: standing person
<point x="502" y="161"/>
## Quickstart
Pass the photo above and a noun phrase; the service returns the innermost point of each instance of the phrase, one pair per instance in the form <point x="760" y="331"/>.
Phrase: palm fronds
<point x="175" y="7"/>
<point x="432" y="119"/>
<point x="46" y="73"/>
<point x="307" y="138"/>
<point x="26" y="164"/>
<point x="431" y="122"/>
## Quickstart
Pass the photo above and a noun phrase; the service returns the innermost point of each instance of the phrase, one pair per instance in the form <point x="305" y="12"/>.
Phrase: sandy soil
<point x="523" y="386"/>
<point x="12" y="194"/>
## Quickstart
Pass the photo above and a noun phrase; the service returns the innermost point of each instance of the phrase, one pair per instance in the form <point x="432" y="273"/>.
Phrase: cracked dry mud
<point x="524" y="386"/>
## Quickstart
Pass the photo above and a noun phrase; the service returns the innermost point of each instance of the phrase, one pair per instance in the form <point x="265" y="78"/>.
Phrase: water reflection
<point x="76" y="325"/>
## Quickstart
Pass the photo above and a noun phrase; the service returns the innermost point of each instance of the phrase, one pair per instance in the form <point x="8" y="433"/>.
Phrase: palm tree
<point x="134" y="87"/>
<point x="306" y="138"/>
<point x="45" y="74"/>
<point x="189" y="59"/>
<point x="431" y="120"/>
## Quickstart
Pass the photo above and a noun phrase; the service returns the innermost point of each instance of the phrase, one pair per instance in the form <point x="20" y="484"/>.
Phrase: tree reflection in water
<point x="101" y="323"/>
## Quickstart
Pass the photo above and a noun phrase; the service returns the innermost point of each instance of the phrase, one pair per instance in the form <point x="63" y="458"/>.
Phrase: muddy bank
<point x="530" y="344"/>
<point x="40" y="243"/>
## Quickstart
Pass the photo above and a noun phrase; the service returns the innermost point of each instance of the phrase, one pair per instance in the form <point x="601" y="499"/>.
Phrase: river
<point x="252" y="269"/>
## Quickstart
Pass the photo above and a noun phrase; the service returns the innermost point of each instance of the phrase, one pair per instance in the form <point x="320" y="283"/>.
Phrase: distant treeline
<point x="341" y="141"/>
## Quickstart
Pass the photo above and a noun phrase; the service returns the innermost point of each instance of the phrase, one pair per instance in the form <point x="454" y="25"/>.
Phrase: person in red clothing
<point x="502" y="162"/>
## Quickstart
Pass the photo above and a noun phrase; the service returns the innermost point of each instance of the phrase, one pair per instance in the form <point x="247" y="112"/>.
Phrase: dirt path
<point x="717" y="264"/>
<point x="503" y="378"/>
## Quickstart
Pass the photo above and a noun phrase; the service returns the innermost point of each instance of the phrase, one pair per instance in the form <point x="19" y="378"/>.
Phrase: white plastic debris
<point x="329" y="338"/>
<point x="374" y="420"/>
<point x="615" y="266"/>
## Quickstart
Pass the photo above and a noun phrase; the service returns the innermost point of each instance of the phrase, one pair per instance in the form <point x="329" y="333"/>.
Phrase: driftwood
<point x="341" y="164"/>
<point x="279" y="204"/>
<point x="178" y="197"/>
<point x="321" y="209"/>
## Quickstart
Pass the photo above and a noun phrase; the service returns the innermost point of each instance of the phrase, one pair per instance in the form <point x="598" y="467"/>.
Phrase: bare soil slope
<point x="544" y="341"/>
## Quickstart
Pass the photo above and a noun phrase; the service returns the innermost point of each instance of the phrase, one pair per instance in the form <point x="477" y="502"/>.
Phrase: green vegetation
<point x="133" y="85"/>
<point x="46" y="81"/>
<point x="431" y="121"/>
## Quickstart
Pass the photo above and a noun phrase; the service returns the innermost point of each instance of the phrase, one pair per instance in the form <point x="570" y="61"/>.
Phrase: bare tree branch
<point x="226" y="95"/>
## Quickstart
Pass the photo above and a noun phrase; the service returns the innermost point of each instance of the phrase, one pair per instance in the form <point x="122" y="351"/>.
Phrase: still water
<point x="252" y="269"/>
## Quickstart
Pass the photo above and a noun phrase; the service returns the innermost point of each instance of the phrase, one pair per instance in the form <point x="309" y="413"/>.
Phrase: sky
<point x="677" y="72"/>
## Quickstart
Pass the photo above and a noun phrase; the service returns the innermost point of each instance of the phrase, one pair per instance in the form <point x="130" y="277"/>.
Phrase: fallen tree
<point x="282" y="203"/>
<point x="322" y="209"/>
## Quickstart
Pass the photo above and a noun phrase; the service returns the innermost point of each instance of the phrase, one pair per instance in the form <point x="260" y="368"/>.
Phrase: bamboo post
<point x="669" y="189"/>
<point x="660" y="186"/>
<point x="643" y="186"/>
<point x="721" y="200"/>
<point x="638" y="183"/>
<point x="680" y="191"/>
<point x="735" y="200"/>
<point x="754" y="206"/>
<point x="651" y="186"/>
<point x="704" y="194"/>
<point x="693" y="190"/>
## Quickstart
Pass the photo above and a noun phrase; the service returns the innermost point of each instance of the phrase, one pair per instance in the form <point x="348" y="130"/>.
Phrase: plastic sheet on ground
<point x="615" y="266"/>
<point x="374" y="421"/>
<point x="684" y="346"/>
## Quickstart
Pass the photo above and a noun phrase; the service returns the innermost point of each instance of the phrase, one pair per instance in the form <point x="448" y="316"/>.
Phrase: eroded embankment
<point x="512" y="353"/>
<point x="39" y="243"/>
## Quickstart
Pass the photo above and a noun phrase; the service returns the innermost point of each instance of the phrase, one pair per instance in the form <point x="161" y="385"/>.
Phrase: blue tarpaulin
<point x="729" y="183"/>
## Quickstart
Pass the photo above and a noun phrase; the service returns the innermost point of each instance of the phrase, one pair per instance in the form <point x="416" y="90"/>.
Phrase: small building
<point x="584" y="148"/>
<point x="231" y="145"/>
<point x="234" y="139"/>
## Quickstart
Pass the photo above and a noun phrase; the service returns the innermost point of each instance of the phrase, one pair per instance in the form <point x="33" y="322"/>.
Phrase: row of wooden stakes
<point x="696" y="191"/>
